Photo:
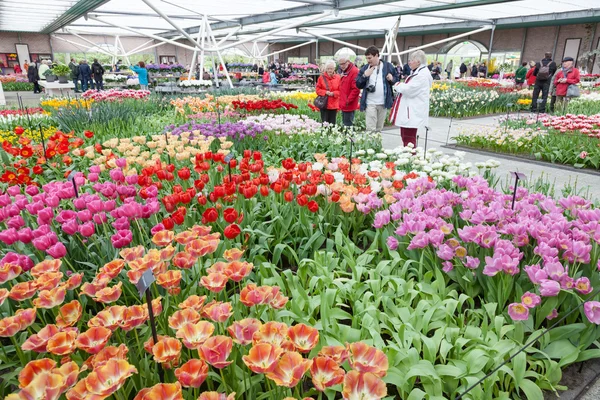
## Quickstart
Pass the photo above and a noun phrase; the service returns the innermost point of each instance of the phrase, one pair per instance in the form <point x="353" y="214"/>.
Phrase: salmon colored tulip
<point x="9" y="327"/>
<point x="233" y="254"/>
<point x="50" y="298"/>
<point x="182" y="317"/>
<point x="170" y="280"/>
<point x="109" y="318"/>
<point x="49" y="280"/>
<point x="194" y="301"/>
<point x="113" y="268"/>
<point x="45" y="266"/>
<point x="167" y="253"/>
<point x="243" y="331"/>
<point x="46" y="385"/>
<point x="272" y="332"/>
<point x="62" y="343"/>
<point x="216" y="396"/>
<point x="325" y="373"/>
<point x="339" y="354"/>
<point x="184" y="260"/>
<point x="215" y="351"/>
<point x="279" y="301"/>
<point x="134" y="316"/>
<point x="359" y="385"/>
<point x="163" y="391"/>
<point x="290" y="368"/>
<point x="148" y="344"/>
<point x="304" y="337"/>
<point x="74" y="281"/>
<point x="200" y="247"/>
<point x="185" y="237"/>
<point x="217" y="311"/>
<point x="79" y="392"/>
<point x="365" y="358"/>
<point x="192" y="374"/>
<point x="106" y="354"/>
<point x="3" y="295"/>
<point x="253" y="295"/>
<point x="167" y="352"/>
<point x="93" y="340"/>
<point x="109" y="294"/>
<point x="132" y="253"/>
<point x="141" y="394"/>
<point x="9" y="272"/>
<point x="106" y="379"/>
<point x="70" y="373"/>
<point x="69" y="314"/>
<point x="193" y="335"/>
<point x="34" y="368"/>
<point x="163" y="238"/>
<point x="23" y="290"/>
<point x="238" y="270"/>
<point x="38" y="341"/>
<point x="214" y="282"/>
<point x="262" y="358"/>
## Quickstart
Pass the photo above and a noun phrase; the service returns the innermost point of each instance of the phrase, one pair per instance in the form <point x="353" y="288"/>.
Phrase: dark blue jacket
<point x="85" y="72"/>
<point x="406" y="70"/>
<point x="362" y="81"/>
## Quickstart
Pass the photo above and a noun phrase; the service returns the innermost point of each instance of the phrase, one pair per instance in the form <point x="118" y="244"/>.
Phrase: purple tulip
<point x="549" y="288"/>
<point x="392" y="243"/>
<point x="592" y="311"/>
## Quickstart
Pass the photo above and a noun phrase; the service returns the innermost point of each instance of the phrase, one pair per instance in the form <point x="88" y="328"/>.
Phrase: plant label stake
<point x="508" y="106"/>
<point x="539" y="102"/>
<point x="42" y="139"/>
<point x="143" y="286"/>
<point x="72" y="179"/>
<point x="518" y="176"/>
<point x="227" y="159"/>
<point x="168" y="155"/>
<point x="449" y="128"/>
<point x="426" y="137"/>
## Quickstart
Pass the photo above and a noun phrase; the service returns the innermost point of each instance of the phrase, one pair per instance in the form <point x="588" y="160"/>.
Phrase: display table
<point x="55" y="88"/>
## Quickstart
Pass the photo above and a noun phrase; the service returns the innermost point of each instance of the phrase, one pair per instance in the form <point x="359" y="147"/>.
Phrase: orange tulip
<point x="34" y="368"/>
<point x="45" y="266"/>
<point x="163" y="391"/>
<point x="3" y="295"/>
<point x="185" y="237"/>
<point x="106" y="354"/>
<point x="193" y="335"/>
<point x="233" y="254"/>
<point x="170" y="280"/>
<point x="201" y="230"/>
<point x="365" y="358"/>
<point x="62" y="343"/>
<point x="37" y="342"/>
<point x="69" y="314"/>
<point x="74" y="281"/>
<point x="134" y="316"/>
<point x="359" y="385"/>
<point x="194" y="301"/>
<point x="325" y="373"/>
<point x="109" y="294"/>
<point x="183" y="317"/>
<point x="46" y="385"/>
<point x="148" y="344"/>
<point x="237" y="270"/>
<point x="167" y="352"/>
<point x="90" y="288"/>
<point x="49" y="280"/>
<point x="23" y="290"/>
<point x="217" y="311"/>
<point x="243" y="331"/>
<point x="290" y="368"/>
<point x="113" y="268"/>
<point x="216" y="396"/>
<point x="132" y="253"/>
<point x="50" y="298"/>
<point x="214" y="282"/>
<point x="79" y="392"/>
<point x="109" y="318"/>
<point x="339" y="354"/>
<point x="25" y="317"/>
<point x="106" y="379"/>
<point x="200" y="247"/>
<point x="167" y="253"/>
<point x="192" y="374"/>
<point x="218" y="267"/>
<point x="9" y="327"/>
<point x="279" y="301"/>
<point x="70" y="373"/>
<point x="163" y="238"/>
<point x="262" y="358"/>
<point x="184" y="260"/>
<point x="9" y="272"/>
<point x="215" y="351"/>
<point x="271" y="332"/>
<point x="253" y="295"/>
<point x="93" y="340"/>
<point x="156" y="306"/>
<point x="304" y="337"/>
<point x="141" y="395"/>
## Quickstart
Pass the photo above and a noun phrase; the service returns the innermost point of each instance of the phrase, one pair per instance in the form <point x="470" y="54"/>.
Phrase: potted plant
<point x="50" y="77"/>
<point x="63" y="72"/>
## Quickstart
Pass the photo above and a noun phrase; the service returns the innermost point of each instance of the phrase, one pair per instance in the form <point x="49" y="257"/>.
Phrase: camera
<point x="371" y="88"/>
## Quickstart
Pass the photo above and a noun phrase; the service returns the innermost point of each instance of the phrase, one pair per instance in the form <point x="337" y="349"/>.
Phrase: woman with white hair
<point x="411" y="107"/>
<point x="328" y="85"/>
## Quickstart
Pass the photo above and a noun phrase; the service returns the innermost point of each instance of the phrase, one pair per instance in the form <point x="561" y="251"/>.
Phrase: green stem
<point x="223" y="380"/>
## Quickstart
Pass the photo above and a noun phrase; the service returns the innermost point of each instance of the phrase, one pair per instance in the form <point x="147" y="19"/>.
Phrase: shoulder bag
<point x="321" y="101"/>
<point x="573" y="91"/>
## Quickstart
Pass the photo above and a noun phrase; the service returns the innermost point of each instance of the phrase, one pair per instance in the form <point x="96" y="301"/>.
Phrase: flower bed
<point x="115" y="94"/>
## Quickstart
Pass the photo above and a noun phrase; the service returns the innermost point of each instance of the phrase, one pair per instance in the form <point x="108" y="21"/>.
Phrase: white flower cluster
<point x="10" y="120"/>
<point x="499" y="136"/>
<point x="195" y="83"/>
<point x="461" y="100"/>
<point x="115" y="78"/>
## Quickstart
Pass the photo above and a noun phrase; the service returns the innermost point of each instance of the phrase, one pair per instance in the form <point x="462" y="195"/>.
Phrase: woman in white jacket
<point x="411" y="108"/>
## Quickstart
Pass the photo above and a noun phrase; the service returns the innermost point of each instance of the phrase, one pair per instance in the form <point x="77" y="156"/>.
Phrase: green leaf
<point x="531" y="390"/>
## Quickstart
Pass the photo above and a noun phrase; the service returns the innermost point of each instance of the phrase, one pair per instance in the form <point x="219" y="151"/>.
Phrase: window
<point x="167" y="59"/>
<point x="572" y="49"/>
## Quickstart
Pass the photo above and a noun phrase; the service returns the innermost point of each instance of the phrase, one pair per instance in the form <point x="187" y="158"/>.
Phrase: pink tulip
<point x="93" y="177"/>
<point x="25" y="235"/>
<point x="84" y="215"/>
<point x="583" y="285"/>
<point x="536" y="274"/>
<point x="392" y="243"/>
<point x="549" y="288"/>
<point x="52" y="201"/>
<point x="58" y="250"/>
<point x="87" y="229"/>
<point x="530" y="300"/>
<point x="122" y="238"/>
<point x="70" y="227"/>
<point x="9" y="236"/>
<point x="592" y="311"/>
<point x="121" y="162"/>
<point x="16" y="222"/>
<point x="95" y="169"/>
<point x="117" y="175"/>
<point x="472" y="262"/>
<point x="100" y="218"/>
<point x="157" y="228"/>
<point x="518" y="312"/>
<point x="121" y="223"/>
<point x="131" y="179"/>
<point x="13" y="190"/>
<point x="32" y="190"/>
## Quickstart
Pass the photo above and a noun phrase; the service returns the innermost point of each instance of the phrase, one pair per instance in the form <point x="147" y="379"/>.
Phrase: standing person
<point x="463" y="70"/>
<point x="85" y="76"/>
<point x="474" y="70"/>
<point x="436" y="71"/>
<point x="521" y="75"/>
<point x="449" y="69"/>
<point x="349" y="93"/>
<point x="17" y="69"/>
<point x="75" y="74"/>
<point x="328" y="85"/>
<point x="142" y="73"/>
<point x="376" y="78"/>
<point x="530" y="78"/>
<point x="273" y="78"/>
<point x="411" y="108"/>
<point x="42" y="69"/>
<point x="457" y="72"/>
<point x="482" y="70"/>
<point x="552" y="92"/>
<point x="544" y="70"/>
<point x="406" y="71"/>
<point x="568" y="75"/>
<point x="33" y="76"/>
<point x="98" y="73"/>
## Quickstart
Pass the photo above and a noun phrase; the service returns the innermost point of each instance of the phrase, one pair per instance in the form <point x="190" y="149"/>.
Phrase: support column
<point x="555" y="42"/>
<point x="523" y="45"/>
<point x="491" y="44"/>
<point x="317" y="51"/>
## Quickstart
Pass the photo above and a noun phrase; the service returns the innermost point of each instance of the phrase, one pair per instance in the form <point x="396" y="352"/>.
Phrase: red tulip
<point x="230" y="215"/>
<point x="211" y="214"/>
<point x="232" y="231"/>
<point x="313" y="206"/>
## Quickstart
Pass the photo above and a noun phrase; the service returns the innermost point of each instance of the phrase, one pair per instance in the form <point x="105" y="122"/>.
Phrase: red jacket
<point x="334" y="86"/>
<point x="530" y="77"/>
<point x="572" y="79"/>
<point x="349" y="93"/>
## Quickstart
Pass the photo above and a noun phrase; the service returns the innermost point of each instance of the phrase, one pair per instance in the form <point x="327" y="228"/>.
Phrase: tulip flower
<point x="62" y="343"/>
<point x="69" y="314"/>
<point x="9" y="272"/>
<point x="339" y="354"/>
<point x="243" y="331"/>
<point x="549" y="288"/>
<point x="93" y="340"/>
<point x="215" y="282"/>
<point x="289" y="370"/>
<point x="363" y="385"/>
<point x="23" y="290"/>
<point x="167" y="351"/>
<point x="365" y="358"/>
<point x="37" y="342"/>
<point x="233" y="254"/>
<point x="304" y="337"/>
<point x="215" y="351"/>
<point x="216" y="396"/>
<point x="109" y="294"/>
<point x="518" y="312"/>
<point x="180" y="318"/>
<point x="262" y="358"/>
<point x="232" y="231"/>
<point x="193" y="335"/>
<point x="217" y="311"/>
<point x="50" y="298"/>
<point x="192" y="374"/>
<point x="109" y="318"/>
<point x="592" y="311"/>
<point x="193" y="301"/>
<point x="106" y="379"/>
<point x="530" y="300"/>
<point x="325" y="373"/>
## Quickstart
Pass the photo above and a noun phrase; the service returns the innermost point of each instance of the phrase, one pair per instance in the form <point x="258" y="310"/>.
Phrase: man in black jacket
<point x="463" y="70"/>
<point x="544" y="71"/>
<point x="98" y="73"/>
<point x="34" y="77"/>
<point x="74" y="74"/>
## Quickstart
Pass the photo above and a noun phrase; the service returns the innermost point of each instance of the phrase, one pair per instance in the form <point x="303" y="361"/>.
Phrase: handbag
<point x="321" y="101"/>
<point x="573" y="91"/>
